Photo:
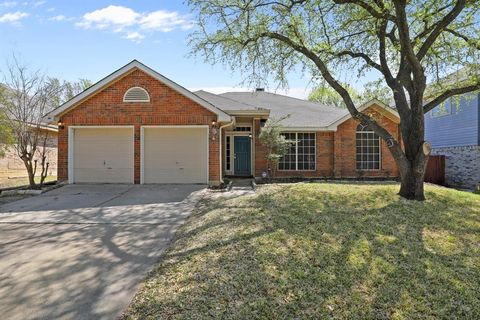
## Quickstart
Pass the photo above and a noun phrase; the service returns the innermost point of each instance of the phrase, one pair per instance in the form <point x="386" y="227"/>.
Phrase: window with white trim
<point x="243" y="129"/>
<point x="301" y="155"/>
<point x="368" y="149"/>
<point x="136" y="94"/>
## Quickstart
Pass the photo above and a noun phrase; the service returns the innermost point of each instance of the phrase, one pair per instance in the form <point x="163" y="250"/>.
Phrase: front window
<point x="368" y="149"/>
<point x="301" y="155"/>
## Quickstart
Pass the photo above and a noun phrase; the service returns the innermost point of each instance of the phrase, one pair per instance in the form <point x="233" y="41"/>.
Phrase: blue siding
<point x="459" y="128"/>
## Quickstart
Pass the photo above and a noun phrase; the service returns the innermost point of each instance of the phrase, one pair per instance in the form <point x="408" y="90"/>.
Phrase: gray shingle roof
<point x="224" y="103"/>
<point x="302" y="113"/>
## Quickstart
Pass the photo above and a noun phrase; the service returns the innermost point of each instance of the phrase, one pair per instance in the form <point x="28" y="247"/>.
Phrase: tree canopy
<point x="324" y="94"/>
<point x="408" y="43"/>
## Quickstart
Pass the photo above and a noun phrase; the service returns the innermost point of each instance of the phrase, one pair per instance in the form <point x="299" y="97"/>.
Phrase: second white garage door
<point x="175" y="155"/>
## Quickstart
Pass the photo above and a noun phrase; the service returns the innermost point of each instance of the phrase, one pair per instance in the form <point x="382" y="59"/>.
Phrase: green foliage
<point x="68" y="89"/>
<point x="244" y="36"/>
<point x="275" y="143"/>
<point x="324" y="94"/>
<point x="377" y="90"/>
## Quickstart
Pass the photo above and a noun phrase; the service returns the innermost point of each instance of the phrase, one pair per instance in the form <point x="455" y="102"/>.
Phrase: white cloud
<point x="134" y="36"/>
<point x="111" y="16"/>
<point x="8" y="4"/>
<point x="13" y="17"/>
<point x="59" y="18"/>
<point x="164" y="21"/>
<point x="299" y="93"/>
<point x="50" y="9"/>
<point x="120" y="19"/>
<point x="39" y="3"/>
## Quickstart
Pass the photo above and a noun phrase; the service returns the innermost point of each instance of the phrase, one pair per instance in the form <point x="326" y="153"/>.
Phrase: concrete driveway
<point x="80" y="251"/>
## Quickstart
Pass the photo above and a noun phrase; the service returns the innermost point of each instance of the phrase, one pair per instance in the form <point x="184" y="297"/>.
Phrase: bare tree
<point x="28" y="96"/>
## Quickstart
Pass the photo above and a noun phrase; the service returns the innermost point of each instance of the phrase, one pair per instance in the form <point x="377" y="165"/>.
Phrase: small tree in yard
<point x="275" y="143"/>
<point x="27" y="96"/>
<point x="405" y="43"/>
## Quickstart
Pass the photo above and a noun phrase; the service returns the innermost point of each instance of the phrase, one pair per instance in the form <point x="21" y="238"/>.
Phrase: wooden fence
<point x="435" y="172"/>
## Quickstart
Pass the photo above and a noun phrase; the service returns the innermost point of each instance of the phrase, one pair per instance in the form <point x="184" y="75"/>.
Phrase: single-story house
<point x="137" y="126"/>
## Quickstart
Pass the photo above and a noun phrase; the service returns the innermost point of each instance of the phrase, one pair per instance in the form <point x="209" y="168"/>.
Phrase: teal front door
<point x="242" y="156"/>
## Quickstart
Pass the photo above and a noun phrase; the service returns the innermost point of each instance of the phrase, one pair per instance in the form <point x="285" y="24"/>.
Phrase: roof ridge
<point x="228" y="98"/>
<point x="284" y="96"/>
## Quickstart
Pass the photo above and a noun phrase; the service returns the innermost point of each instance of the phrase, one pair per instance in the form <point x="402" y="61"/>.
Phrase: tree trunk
<point x="411" y="186"/>
<point x="412" y="173"/>
<point x="31" y="173"/>
<point x="31" y="177"/>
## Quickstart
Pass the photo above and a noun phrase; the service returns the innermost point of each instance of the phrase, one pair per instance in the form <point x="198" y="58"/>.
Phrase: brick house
<point x="136" y="126"/>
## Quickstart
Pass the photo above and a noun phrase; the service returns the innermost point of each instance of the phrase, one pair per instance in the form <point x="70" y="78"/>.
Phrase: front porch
<point x="238" y="151"/>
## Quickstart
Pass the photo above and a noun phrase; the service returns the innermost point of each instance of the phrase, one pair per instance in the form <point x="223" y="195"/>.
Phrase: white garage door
<point x="103" y="155"/>
<point x="175" y="155"/>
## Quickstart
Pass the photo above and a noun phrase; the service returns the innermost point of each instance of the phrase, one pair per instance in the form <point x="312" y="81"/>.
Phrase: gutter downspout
<point x="221" y="147"/>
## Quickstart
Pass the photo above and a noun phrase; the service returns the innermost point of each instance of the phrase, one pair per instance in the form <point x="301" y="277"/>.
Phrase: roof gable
<point x="125" y="70"/>
<point x="389" y="112"/>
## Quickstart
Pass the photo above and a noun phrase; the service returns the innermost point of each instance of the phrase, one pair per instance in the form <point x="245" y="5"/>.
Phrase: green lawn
<point x="313" y="251"/>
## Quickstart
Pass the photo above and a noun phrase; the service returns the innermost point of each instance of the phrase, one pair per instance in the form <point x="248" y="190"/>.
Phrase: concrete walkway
<point x="80" y="251"/>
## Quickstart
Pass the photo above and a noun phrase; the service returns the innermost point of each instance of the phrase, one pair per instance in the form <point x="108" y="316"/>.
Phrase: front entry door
<point x="242" y="157"/>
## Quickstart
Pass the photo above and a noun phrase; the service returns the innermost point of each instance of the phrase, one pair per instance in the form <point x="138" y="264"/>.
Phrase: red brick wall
<point x="260" y="153"/>
<point x="345" y="151"/>
<point x="324" y="155"/>
<point x="336" y="152"/>
<point x="166" y="107"/>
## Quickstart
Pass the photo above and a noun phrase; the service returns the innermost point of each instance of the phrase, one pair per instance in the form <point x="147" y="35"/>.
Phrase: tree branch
<point x="447" y="94"/>
<point x="361" y="55"/>
<point x="373" y="12"/>
<point x="475" y="44"/>
<point x="439" y="27"/>
<point x="393" y="144"/>
<point x="405" y="44"/>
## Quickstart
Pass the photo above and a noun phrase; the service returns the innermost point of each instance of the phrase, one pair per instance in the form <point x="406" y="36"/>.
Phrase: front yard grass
<point x="23" y="181"/>
<point x="318" y="250"/>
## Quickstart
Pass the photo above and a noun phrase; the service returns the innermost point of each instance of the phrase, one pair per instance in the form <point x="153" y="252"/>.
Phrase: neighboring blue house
<point x="453" y="130"/>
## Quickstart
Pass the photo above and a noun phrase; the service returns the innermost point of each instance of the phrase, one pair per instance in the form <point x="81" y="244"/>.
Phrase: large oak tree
<point x="408" y="43"/>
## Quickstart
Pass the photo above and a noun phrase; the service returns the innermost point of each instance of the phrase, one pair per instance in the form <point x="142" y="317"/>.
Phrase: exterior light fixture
<point x="213" y="130"/>
<point x="60" y="124"/>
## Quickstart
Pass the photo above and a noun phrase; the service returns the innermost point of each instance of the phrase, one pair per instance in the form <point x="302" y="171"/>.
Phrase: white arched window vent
<point x="136" y="94"/>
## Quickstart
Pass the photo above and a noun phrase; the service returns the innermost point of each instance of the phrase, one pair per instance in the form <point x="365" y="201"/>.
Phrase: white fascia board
<point x="308" y="129"/>
<point x="263" y="112"/>
<point x="53" y="115"/>
<point x="364" y="107"/>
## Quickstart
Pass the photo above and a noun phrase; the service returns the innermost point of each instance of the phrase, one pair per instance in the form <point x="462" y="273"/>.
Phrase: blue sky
<point x="73" y="39"/>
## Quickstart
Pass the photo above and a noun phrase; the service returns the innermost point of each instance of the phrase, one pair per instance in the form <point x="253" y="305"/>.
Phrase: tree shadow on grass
<point x="307" y="252"/>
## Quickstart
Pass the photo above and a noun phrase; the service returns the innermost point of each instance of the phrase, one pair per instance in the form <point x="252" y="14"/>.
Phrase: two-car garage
<point x="168" y="154"/>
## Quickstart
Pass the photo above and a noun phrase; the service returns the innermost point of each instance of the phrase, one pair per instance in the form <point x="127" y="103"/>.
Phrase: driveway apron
<point x="80" y="251"/>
